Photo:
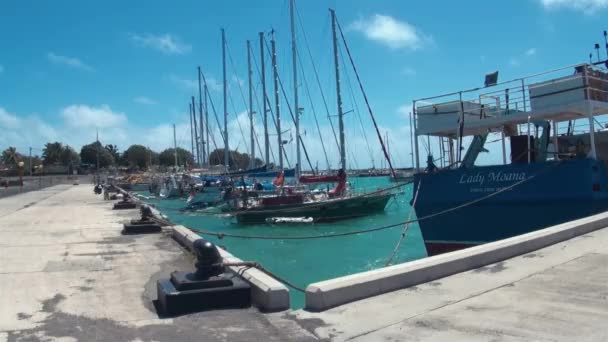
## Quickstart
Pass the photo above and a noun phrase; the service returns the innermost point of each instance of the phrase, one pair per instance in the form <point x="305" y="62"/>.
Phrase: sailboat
<point x="333" y="205"/>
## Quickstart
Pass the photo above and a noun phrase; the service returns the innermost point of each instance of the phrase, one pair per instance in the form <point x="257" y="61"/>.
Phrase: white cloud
<point x="585" y="6"/>
<point x="165" y="43"/>
<point x="192" y="84"/>
<point x="83" y="116"/>
<point x="514" y="62"/>
<point x="390" y="31"/>
<point x="8" y="120"/>
<point x="144" y="100"/>
<point x="238" y="80"/>
<point x="530" y="52"/>
<point x="68" y="61"/>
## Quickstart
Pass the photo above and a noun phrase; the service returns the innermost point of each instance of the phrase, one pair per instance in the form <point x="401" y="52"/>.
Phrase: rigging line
<point x="274" y="122"/>
<point x="405" y="227"/>
<point x="293" y="118"/>
<point x="259" y="73"/>
<point x="357" y="112"/>
<point x="369" y="108"/>
<point x="255" y="133"/>
<point x="215" y="114"/>
<point x="314" y="112"/>
<point x="375" y="229"/>
<point x="238" y="122"/>
<point x="314" y="68"/>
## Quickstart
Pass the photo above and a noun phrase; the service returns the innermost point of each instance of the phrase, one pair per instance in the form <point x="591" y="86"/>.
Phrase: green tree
<point x="138" y="155"/>
<point x="51" y="154"/>
<point x="69" y="157"/>
<point x="167" y="157"/>
<point x="10" y="157"/>
<point x="89" y="153"/>
<point x="113" y="149"/>
<point x="238" y="161"/>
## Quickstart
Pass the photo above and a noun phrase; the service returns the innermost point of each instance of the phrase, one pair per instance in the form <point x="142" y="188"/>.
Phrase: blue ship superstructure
<point x="550" y="176"/>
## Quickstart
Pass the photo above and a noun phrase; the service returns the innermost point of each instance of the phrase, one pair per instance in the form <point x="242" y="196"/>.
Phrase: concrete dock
<point x="66" y="273"/>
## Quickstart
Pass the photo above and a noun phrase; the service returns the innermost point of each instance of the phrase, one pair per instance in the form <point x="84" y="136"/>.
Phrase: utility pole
<point x="339" y="95"/>
<point x="276" y="97"/>
<point x="195" y="141"/>
<point x="202" y="156"/>
<point x="226" y="146"/>
<point x="265" y="109"/>
<point x="252" y="142"/>
<point x="294" y="56"/>
<point x="175" y="147"/>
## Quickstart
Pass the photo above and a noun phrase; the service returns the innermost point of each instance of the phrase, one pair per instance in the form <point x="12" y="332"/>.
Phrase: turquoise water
<point x="307" y="261"/>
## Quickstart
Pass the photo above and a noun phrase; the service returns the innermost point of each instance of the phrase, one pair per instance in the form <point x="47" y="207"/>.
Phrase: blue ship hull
<point x="553" y="193"/>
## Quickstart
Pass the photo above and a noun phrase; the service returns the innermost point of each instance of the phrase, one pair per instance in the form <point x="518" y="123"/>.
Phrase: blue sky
<point x="70" y="67"/>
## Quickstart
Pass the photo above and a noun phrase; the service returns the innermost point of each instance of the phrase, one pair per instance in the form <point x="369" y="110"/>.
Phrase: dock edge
<point x="334" y="292"/>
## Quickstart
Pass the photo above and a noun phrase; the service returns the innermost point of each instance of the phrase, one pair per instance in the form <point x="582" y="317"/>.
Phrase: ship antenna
<point x="597" y="49"/>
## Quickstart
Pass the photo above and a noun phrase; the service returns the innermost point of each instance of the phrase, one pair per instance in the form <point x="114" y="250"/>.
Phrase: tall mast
<point x="294" y="52"/>
<point x="195" y="141"/>
<point x="207" y="126"/>
<point x="276" y="97"/>
<point x="174" y="146"/>
<point x="251" y="132"/>
<point x="265" y="109"/>
<point x="339" y="95"/>
<point x="192" y="138"/>
<point x="203" y="156"/>
<point x="226" y="148"/>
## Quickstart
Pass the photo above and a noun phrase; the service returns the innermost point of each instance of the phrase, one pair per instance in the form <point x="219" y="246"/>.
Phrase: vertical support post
<point x="460" y="129"/>
<point x="296" y="105"/>
<point x="412" y="141"/>
<point x="339" y="95"/>
<point x="251" y="131"/>
<point x="590" y="113"/>
<point x="276" y="97"/>
<point x="203" y="155"/>
<point x="415" y="137"/>
<point x="504" y="147"/>
<point x="555" y="140"/>
<point x="264" y="108"/>
<point x="523" y="93"/>
<point x="226" y="146"/>
<point x="529" y="140"/>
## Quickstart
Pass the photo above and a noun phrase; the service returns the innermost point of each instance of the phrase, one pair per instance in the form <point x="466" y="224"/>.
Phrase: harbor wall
<point x="334" y="292"/>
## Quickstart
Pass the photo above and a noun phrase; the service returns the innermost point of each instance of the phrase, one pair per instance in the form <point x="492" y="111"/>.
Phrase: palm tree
<point x="10" y="156"/>
<point x="52" y="153"/>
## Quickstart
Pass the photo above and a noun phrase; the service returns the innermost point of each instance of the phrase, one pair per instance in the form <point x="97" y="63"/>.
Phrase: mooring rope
<point x="407" y="225"/>
<point x="221" y="235"/>
<point x="257" y="265"/>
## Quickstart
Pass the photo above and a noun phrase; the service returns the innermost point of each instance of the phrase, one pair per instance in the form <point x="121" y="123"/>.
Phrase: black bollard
<point x="209" y="287"/>
<point x="143" y="225"/>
